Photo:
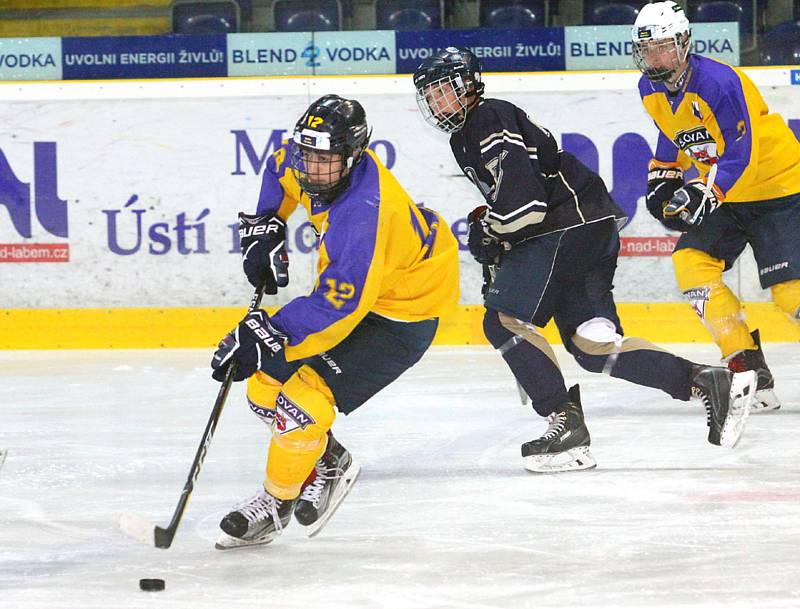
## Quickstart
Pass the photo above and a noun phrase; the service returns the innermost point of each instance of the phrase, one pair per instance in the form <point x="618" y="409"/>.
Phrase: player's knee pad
<point x="262" y="391"/>
<point x="305" y="412"/>
<point x="596" y="345"/>
<point x="787" y="296"/>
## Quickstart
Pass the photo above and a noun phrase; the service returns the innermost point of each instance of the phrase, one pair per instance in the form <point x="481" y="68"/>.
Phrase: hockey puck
<point x="152" y="585"/>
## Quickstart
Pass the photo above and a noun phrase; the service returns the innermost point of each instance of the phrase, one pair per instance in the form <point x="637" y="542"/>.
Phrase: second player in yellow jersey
<point x="711" y="115"/>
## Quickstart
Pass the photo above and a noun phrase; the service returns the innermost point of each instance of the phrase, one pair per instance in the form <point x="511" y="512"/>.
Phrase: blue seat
<point x="199" y="17"/>
<point x="611" y="13"/>
<point x="511" y="14"/>
<point x="741" y="11"/>
<point x="307" y="15"/>
<point x="409" y="14"/>
<point x="780" y="46"/>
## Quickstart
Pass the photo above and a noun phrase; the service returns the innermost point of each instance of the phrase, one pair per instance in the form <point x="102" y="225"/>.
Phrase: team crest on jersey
<point x="289" y="416"/>
<point x="698" y="144"/>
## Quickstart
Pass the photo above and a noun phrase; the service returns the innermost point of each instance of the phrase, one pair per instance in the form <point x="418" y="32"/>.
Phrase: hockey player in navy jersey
<point x="711" y="115"/>
<point x="548" y="233"/>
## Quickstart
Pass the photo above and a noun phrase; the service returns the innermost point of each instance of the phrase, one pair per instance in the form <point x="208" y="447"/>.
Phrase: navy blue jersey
<point x="531" y="186"/>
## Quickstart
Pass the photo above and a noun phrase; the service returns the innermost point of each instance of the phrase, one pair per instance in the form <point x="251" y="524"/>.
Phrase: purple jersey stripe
<point x="721" y="88"/>
<point x="350" y="246"/>
<point x="271" y="195"/>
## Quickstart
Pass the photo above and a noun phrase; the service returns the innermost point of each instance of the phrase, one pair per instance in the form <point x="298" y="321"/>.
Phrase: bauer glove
<point x="250" y="343"/>
<point x="482" y="245"/>
<point x="690" y="205"/>
<point x="263" y="242"/>
<point x="663" y="180"/>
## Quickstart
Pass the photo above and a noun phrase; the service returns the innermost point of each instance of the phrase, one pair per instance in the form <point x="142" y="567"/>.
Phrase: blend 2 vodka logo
<point x="23" y="204"/>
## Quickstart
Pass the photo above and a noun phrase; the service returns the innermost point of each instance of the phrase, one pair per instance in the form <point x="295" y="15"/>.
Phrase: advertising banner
<point x="30" y="58"/>
<point x="522" y="50"/>
<point x="130" y="201"/>
<point x="609" y="47"/>
<point x="310" y="54"/>
<point x="144" y="57"/>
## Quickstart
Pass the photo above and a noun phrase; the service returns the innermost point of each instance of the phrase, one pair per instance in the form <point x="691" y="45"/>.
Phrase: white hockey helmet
<point x="661" y="41"/>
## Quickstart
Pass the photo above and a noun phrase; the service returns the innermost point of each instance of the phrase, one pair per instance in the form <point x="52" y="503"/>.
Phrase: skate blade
<point x="226" y="542"/>
<point x="765" y="401"/>
<point x="742" y="396"/>
<point x="349" y="478"/>
<point x="572" y="460"/>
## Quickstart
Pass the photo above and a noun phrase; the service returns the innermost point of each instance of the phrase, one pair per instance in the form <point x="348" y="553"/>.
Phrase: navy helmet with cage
<point x="448" y="84"/>
<point x="328" y="142"/>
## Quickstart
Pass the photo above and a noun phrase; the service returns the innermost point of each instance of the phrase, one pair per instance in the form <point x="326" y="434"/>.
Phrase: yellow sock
<point x="700" y="279"/>
<point x="305" y="413"/>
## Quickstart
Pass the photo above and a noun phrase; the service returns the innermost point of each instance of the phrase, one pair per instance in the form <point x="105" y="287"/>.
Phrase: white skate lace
<point x="313" y="492"/>
<point x="261" y="506"/>
<point x="556" y="426"/>
<point x="699" y="393"/>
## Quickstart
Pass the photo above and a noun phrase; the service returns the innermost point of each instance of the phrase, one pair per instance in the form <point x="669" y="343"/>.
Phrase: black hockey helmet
<point x="329" y="141"/>
<point x="447" y="85"/>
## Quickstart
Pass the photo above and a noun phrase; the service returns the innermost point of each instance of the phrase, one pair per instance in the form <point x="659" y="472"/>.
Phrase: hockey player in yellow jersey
<point x="387" y="270"/>
<point x="711" y="115"/>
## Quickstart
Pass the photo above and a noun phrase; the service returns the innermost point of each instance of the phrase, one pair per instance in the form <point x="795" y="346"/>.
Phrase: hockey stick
<point x="141" y="529"/>
<point x="712" y="176"/>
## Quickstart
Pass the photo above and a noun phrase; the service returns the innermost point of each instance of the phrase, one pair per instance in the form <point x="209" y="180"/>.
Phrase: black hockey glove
<point x="250" y="343"/>
<point x="263" y="241"/>
<point x="690" y="205"/>
<point x="663" y="180"/>
<point x="483" y="247"/>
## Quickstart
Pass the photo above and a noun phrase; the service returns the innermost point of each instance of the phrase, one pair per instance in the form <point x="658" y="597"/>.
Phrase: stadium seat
<point x="205" y="17"/>
<point x="511" y="14"/>
<point x="307" y="15"/>
<point x="780" y="46"/>
<point x="409" y="14"/>
<point x="611" y="13"/>
<point x="727" y="10"/>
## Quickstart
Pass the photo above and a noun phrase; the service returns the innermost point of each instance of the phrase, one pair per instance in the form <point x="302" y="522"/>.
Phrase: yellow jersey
<point x="378" y="252"/>
<point x="719" y="116"/>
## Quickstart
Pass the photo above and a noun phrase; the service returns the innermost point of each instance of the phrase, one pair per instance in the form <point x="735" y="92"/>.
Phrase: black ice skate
<point x="257" y="521"/>
<point x="727" y="398"/>
<point x="753" y="359"/>
<point x="565" y="444"/>
<point x="334" y="473"/>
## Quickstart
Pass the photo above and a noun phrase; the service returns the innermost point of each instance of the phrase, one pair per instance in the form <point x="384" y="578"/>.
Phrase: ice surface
<point x="443" y="515"/>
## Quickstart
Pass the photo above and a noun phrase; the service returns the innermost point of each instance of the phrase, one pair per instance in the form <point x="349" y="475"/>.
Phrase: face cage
<point x="447" y="115"/>
<point x="321" y="183"/>
<point x="680" y="45"/>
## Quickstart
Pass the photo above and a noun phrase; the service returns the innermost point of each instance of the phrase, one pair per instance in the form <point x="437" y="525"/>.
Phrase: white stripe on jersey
<point x="574" y="196"/>
<point x="500" y="137"/>
<point x="532" y="213"/>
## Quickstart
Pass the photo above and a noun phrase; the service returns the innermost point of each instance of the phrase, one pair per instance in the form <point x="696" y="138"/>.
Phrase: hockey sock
<point x="700" y="279"/>
<point x="530" y="358"/>
<point x="305" y="413"/>
<point x="262" y="391"/>
<point x="598" y="347"/>
<point x="787" y="296"/>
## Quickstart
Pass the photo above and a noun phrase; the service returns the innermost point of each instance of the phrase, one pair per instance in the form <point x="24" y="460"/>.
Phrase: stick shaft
<point x="164" y="536"/>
